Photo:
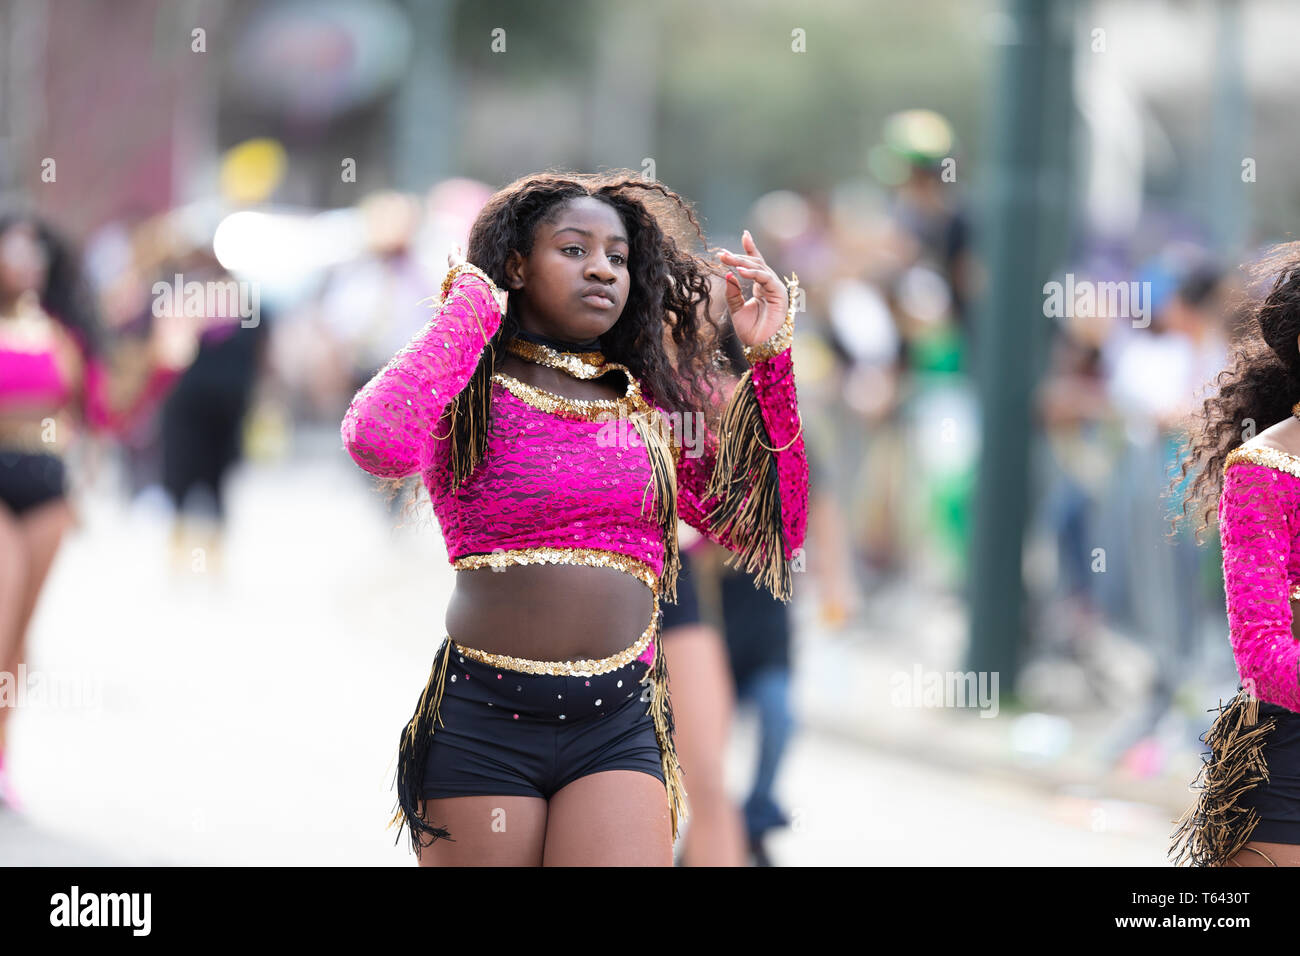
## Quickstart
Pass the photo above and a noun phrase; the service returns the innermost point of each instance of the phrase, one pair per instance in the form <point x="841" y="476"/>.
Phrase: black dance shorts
<point x="505" y="732"/>
<point x="28" y="479"/>
<point x="1278" y="799"/>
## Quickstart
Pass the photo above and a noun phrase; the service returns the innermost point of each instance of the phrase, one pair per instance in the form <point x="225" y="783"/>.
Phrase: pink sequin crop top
<point x="46" y="370"/>
<point x="1259" y="526"/>
<point x="560" y="481"/>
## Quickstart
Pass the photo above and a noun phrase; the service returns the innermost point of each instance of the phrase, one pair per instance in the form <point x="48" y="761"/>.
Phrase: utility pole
<point x="1229" y="132"/>
<point x="424" y="109"/>
<point x="1023" y="228"/>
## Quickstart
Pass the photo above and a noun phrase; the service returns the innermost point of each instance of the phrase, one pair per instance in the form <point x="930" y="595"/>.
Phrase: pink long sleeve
<point x="390" y="428"/>
<point x="1257" y="516"/>
<point x="100" y="413"/>
<point x="774" y="388"/>
<point x="98" y="410"/>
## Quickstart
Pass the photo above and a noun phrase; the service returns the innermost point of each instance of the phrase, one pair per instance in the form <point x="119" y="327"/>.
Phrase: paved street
<point x="251" y="716"/>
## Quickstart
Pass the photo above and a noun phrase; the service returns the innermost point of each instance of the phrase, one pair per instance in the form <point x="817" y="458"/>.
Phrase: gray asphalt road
<point x="250" y="715"/>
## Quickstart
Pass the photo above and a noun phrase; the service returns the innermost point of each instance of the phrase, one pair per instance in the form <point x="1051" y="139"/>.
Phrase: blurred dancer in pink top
<point x="53" y="377"/>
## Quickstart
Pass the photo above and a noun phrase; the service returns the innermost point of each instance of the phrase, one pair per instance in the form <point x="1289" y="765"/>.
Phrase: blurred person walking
<point x="370" y="307"/>
<point x="758" y="634"/>
<point x="748" y="662"/>
<point x="917" y="157"/>
<point x="1082" y="439"/>
<point x="53" y="370"/>
<point x="704" y="703"/>
<point x="1155" y="373"/>
<point x="1247" y="808"/>
<point x="203" y="417"/>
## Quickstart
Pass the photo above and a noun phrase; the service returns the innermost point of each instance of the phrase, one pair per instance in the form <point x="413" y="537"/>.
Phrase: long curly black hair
<point x="67" y="294"/>
<point x="669" y="304"/>
<point x="669" y="280"/>
<point x="1256" y="390"/>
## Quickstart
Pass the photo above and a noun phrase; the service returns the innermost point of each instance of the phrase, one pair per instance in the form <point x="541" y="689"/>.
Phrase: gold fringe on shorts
<point x="418" y="733"/>
<point x="656" y="679"/>
<point x="1216" y="827"/>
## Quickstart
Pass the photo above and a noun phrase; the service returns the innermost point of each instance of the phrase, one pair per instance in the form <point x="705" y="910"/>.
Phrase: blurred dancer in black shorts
<point x="202" y="423"/>
<point x="707" y="675"/>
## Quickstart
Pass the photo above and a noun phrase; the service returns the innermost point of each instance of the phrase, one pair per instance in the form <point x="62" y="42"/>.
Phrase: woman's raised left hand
<point x="757" y="319"/>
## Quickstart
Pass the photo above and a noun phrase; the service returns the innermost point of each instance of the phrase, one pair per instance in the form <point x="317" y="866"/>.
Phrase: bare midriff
<point x="34" y="428"/>
<point x="549" y="612"/>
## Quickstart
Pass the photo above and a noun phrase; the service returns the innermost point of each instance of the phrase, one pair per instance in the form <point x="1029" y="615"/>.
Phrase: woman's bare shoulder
<point x="1283" y="437"/>
<point x="1276" y="447"/>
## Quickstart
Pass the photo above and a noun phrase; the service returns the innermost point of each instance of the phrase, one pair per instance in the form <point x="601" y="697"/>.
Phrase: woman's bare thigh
<point x="486" y="831"/>
<point x="699" y="681"/>
<point x="43" y="528"/>
<point x="611" y="818"/>
<point x="13" y="581"/>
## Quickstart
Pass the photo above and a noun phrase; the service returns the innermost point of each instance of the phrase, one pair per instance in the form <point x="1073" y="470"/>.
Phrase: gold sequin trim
<point x="591" y="557"/>
<point x="583" y="365"/>
<point x="1295" y="592"/>
<point x="502" y="296"/>
<point x="1268" y="457"/>
<point x="590" y="409"/>
<point x="586" y="667"/>
<point x="454" y="273"/>
<point x="783" y="337"/>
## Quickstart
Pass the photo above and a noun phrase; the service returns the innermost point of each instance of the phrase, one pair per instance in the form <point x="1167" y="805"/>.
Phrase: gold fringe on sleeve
<point x="469" y="429"/>
<point x="656" y="683"/>
<point x="1215" y="827"/>
<point x="411" y="753"/>
<point x="746" y="481"/>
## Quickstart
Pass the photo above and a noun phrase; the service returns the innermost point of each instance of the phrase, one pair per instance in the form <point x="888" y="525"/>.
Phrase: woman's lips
<point x="598" y="301"/>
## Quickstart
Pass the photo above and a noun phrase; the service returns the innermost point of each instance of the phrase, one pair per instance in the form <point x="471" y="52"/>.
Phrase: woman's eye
<point x="622" y="259"/>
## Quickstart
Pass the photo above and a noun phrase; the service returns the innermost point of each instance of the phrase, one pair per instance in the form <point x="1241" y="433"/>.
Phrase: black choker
<point x="591" y="345"/>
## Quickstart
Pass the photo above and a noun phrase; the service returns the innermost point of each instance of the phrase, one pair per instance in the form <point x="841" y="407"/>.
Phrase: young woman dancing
<point x="554" y="409"/>
<point x="1247" y="811"/>
<point x="52" y="373"/>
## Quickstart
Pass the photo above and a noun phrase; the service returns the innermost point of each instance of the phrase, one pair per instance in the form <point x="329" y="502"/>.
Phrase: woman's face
<point x="23" y="261"/>
<point x="584" y="251"/>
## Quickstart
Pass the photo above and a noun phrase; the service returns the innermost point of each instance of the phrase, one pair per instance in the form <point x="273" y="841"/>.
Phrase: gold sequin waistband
<point x="592" y="557"/>
<point x="580" y="668"/>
